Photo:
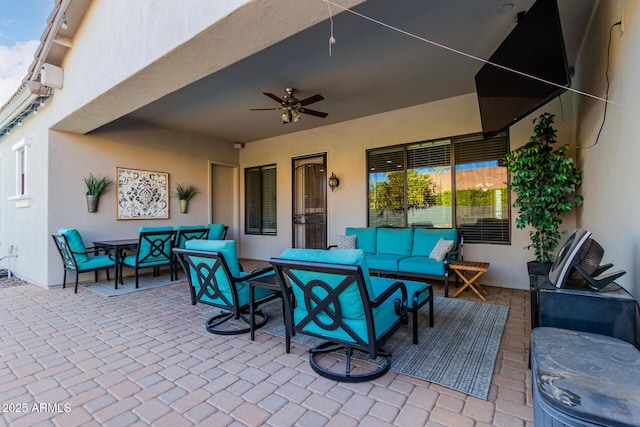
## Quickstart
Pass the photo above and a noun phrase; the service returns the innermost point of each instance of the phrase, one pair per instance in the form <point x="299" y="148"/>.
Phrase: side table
<point x="271" y="282"/>
<point x="469" y="272"/>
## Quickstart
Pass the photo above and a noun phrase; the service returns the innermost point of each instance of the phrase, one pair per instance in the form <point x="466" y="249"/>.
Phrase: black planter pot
<point x="538" y="268"/>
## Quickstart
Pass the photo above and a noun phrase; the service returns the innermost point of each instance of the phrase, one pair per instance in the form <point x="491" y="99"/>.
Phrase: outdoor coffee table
<point x="117" y="246"/>
<point x="469" y="272"/>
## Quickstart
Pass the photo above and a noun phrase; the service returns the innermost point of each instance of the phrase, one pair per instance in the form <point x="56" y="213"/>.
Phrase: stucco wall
<point x="185" y="156"/>
<point x="346" y="144"/>
<point x="611" y="166"/>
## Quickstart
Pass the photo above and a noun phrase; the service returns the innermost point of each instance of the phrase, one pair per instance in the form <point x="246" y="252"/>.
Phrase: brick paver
<point x="145" y="358"/>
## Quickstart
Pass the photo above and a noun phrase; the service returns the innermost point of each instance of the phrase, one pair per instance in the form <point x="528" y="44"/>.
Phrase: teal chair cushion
<point x="215" y="231"/>
<point x="425" y="239"/>
<point x="145" y="229"/>
<point x="181" y="239"/>
<point x="228" y="249"/>
<point x="189" y="227"/>
<point x="366" y="238"/>
<point x="75" y="243"/>
<point x="395" y="241"/>
<point x="350" y="299"/>
<point x="380" y="284"/>
<point x="96" y="262"/>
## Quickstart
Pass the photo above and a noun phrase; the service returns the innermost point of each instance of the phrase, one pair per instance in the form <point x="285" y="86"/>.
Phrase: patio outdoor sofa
<point x="422" y="253"/>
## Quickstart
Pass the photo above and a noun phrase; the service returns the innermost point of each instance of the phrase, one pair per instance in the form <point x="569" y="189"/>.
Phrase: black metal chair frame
<point x="185" y="236"/>
<point x="69" y="262"/>
<point x="286" y="271"/>
<point x="157" y="240"/>
<point x="209" y="286"/>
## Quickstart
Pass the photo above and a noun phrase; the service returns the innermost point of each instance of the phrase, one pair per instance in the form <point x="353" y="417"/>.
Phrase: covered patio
<point x="145" y="358"/>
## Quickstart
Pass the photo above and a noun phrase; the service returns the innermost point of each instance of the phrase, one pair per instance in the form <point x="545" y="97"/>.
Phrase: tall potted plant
<point x="184" y="193"/>
<point x="95" y="186"/>
<point x="544" y="180"/>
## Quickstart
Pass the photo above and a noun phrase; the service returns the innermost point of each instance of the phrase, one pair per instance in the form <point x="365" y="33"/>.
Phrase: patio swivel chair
<point x="332" y="298"/>
<point x="154" y="250"/>
<point x="185" y="233"/>
<point x="76" y="257"/>
<point x="217" y="231"/>
<point x="216" y="279"/>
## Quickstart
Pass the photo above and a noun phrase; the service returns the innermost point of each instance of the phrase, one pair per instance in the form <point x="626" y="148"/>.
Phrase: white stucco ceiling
<point x="371" y="69"/>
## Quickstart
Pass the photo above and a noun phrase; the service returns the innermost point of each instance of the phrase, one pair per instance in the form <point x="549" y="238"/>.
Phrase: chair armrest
<point x="253" y="274"/>
<point x="400" y="305"/>
<point x="331" y="246"/>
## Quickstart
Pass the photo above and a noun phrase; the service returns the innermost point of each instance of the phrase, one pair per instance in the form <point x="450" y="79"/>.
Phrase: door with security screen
<point x="310" y="202"/>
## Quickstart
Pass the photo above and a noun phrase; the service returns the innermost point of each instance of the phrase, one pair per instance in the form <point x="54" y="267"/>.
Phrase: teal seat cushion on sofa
<point x="425" y="239"/>
<point x="366" y="239"/>
<point x="422" y="265"/>
<point x="384" y="261"/>
<point x="395" y="241"/>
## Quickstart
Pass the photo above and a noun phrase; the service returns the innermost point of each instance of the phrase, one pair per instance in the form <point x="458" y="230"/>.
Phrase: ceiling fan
<point x="292" y="106"/>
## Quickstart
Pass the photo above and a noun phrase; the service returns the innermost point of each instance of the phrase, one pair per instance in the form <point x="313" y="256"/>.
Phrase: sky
<point x="22" y="22"/>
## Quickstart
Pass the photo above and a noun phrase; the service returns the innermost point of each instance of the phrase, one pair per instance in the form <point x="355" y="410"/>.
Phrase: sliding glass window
<point x="260" y="200"/>
<point x="454" y="182"/>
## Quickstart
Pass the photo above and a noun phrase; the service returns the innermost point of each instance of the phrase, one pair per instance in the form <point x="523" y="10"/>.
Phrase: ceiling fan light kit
<point x="292" y="106"/>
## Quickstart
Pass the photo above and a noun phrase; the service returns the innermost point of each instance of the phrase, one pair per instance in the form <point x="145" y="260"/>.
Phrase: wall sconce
<point x="333" y="181"/>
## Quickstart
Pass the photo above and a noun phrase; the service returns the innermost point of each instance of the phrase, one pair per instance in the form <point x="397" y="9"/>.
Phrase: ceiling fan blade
<point x="265" y="109"/>
<point x="311" y="100"/>
<point x="274" y="97"/>
<point x="313" y="112"/>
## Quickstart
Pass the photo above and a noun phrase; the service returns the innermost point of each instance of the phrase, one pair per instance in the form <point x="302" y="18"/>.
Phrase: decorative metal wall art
<point x="142" y="194"/>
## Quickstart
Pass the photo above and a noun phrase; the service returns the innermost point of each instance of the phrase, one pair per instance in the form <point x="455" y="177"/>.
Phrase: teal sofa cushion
<point x="422" y="265"/>
<point x="75" y="243"/>
<point x="384" y="261"/>
<point x="366" y="239"/>
<point x="425" y="239"/>
<point x="395" y="241"/>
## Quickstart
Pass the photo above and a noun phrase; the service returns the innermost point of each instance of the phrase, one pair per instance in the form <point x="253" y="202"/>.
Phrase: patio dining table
<point x="117" y="246"/>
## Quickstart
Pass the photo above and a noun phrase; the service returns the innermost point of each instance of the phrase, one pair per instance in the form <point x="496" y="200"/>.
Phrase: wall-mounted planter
<point x="184" y="206"/>
<point x="92" y="203"/>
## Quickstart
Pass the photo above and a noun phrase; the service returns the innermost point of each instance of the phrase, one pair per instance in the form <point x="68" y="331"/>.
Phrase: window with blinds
<point x="260" y="200"/>
<point x="454" y="182"/>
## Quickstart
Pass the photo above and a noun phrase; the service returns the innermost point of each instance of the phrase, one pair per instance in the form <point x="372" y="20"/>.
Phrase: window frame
<point x="452" y="143"/>
<point x="264" y="206"/>
<point x="22" y="152"/>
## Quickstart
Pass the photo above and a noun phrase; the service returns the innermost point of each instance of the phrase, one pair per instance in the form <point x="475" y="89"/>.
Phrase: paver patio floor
<point x="145" y="358"/>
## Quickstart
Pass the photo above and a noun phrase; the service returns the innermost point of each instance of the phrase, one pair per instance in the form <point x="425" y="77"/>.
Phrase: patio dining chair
<point x="78" y="258"/>
<point x="217" y="231"/>
<point x="154" y="250"/>
<point x="216" y="278"/>
<point x="332" y="298"/>
<point x="184" y="233"/>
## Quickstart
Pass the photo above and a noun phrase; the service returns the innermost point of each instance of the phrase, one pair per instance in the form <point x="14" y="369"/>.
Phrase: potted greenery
<point x="545" y="182"/>
<point x="184" y="193"/>
<point x="95" y="186"/>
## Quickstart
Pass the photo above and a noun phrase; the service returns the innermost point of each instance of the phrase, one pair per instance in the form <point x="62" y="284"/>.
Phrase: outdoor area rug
<point x="146" y="281"/>
<point x="459" y="352"/>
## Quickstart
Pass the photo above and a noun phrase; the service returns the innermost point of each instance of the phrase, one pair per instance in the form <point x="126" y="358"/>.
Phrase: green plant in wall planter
<point x="184" y="193"/>
<point x="95" y="187"/>
<point x="545" y="183"/>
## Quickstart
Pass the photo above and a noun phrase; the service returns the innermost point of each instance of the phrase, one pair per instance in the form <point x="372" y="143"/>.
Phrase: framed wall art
<point x="142" y="194"/>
